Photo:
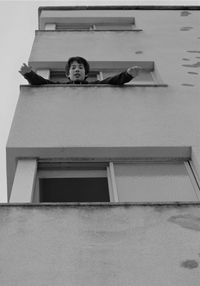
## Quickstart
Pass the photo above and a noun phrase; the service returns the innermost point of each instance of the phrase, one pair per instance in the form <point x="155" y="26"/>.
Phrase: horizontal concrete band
<point x="104" y="204"/>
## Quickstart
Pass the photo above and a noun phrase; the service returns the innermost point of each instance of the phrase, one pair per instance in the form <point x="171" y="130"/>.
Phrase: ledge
<point x="105" y="204"/>
<point x="79" y="30"/>
<point x="94" y="85"/>
<point x="113" y="7"/>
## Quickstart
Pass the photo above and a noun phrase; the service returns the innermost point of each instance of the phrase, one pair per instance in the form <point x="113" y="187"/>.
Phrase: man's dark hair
<point x="79" y="60"/>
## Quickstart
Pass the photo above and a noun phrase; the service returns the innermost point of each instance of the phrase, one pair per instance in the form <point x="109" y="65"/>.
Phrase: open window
<point x="162" y="181"/>
<point x="149" y="76"/>
<point x="74" y="26"/>
<point x="93" y="24"/>
<point x="73" y="183"/>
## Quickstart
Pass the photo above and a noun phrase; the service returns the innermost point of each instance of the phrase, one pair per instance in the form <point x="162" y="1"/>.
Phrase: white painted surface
<point x="104" y="116"/>
<point x="100" y="245"/>
<point x="78" y="122"/>
<point x="23" y="185"/>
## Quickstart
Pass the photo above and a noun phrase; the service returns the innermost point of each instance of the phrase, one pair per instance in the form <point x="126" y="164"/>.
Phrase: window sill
<point x="105" y="204"/>
<point x="96" y="85"/>
<point x="79" y="30"/>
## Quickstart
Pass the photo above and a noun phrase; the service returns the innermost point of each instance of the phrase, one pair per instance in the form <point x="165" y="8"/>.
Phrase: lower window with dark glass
<point x="74" y="190"/>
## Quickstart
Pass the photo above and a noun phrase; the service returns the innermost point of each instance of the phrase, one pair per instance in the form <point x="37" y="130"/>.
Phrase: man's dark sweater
<point x="119" y="79"/>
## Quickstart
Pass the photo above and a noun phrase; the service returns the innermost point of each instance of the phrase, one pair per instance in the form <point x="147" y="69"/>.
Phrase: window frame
<point x="115" y="67"/>
<point x="91" y="24"/>
<point x="107" y="169"/>
<point x="81" y="171"/>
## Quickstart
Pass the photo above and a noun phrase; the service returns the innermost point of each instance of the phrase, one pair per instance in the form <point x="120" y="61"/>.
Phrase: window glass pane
<point x="153" y="182"/>
<point x="73" y="190"/>
<point x="73" y="26"/>
<point x="113" y="26"/>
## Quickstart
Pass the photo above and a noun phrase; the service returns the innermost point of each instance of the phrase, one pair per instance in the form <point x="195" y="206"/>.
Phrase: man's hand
<point x="25" y="69"/>
<point x="134" y="71"/>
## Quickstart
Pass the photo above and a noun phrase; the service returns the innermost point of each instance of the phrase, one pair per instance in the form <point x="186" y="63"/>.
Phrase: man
<point x="77" y="70"/>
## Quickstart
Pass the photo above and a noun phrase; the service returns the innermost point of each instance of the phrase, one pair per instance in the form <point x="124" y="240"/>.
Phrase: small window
<point x="155" y="182"/>
<point x="74" y="26"/>
<point x="147" y="77"/>
<point x="80" y="184"/>
<point x="94" y="24"/>
<point x="114" y="26"/>
<point x="104" y="26"/>
<point x="74" y="190"/>
<point x="118" y="182"/>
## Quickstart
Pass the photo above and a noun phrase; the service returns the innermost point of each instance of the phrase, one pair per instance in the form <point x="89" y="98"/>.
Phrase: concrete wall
<point x="100" y="245"/>
<point x="62" y="121"/>
<point x="169" y="38"/>
<point x="107" y="244"/>
<point x="105" y="116"/>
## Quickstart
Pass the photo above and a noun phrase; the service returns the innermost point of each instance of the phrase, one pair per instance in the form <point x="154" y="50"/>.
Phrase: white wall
<point x="59" y="118"/>
<point x="99" y="245"/>
<point x="105" y="116"/>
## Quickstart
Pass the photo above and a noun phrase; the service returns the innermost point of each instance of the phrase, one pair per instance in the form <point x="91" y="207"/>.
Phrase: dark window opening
<point x="74" y="190"/>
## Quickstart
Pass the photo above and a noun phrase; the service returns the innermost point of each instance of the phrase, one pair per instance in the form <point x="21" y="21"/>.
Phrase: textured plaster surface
<point x="59" y="118"/>
<point x="105" y="116"/>
<point x="100" y="245"/>
<point x="162" y="40"/>
<point x="64" y="117"/>
<point x="137" y="116"/>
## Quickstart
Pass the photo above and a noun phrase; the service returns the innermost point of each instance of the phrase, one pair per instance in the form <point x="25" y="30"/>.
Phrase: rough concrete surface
<point x="109" y="245"/>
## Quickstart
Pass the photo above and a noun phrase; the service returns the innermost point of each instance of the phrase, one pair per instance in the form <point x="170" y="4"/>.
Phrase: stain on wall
<point x="186" y="221"/>
<point x="196" y="65"/>
<point x="194" y="52"/>
<point x="185" y="13"/>
<point x="185" y="59"/>
<point x="138" y="52"/>
<point x="187" y="84"/>
<point x="193" y="73"/>
<point x="190" y="264"/>
<point x="186" y="28"/>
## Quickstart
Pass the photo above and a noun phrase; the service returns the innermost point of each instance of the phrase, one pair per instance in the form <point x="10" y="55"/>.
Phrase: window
<point x="94" y="24"/>
<point x="114" y="26"/>
<point x="74" y="26"/>
<point x="99" y="71"/>
<point x="73" y="183"/>
<point x="117" y="182"/>
<point x="155" y="182"/>
<point x="78" y="189"/>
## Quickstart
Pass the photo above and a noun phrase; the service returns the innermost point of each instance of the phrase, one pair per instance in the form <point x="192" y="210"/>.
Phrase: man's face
<point x="76" y="72"/>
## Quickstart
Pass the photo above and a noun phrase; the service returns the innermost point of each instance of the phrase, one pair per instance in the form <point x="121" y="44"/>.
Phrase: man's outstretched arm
<point x="32" y="77"/>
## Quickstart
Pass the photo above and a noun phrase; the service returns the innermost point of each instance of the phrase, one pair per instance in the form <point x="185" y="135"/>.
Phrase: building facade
<point x="103" y="181"/>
